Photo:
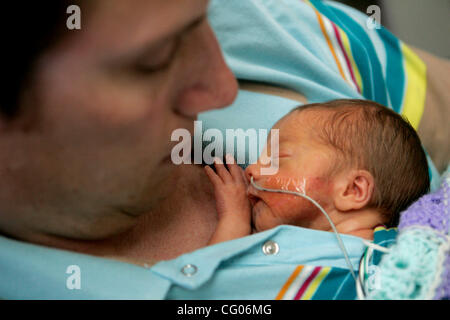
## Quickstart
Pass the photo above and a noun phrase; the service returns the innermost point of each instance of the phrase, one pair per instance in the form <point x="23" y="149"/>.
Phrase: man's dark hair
<point x="372" y="137"/>
<point x="27" y="29"/>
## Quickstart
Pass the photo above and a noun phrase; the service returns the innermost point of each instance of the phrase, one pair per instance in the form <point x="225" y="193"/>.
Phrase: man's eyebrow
<point x="184" y="28"/>
<point x="191" y="25"/>
<point x="150" y="47"/>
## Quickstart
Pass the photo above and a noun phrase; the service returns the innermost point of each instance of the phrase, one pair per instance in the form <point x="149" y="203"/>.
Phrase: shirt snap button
<point x="189" y="270"/>
<point x="270" y="248"/>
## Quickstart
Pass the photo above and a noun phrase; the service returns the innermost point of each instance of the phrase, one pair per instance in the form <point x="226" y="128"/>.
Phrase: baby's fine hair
<point x="369" y="136"/>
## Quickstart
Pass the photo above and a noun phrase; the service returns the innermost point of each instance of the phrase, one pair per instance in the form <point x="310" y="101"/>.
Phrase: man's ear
<point x="353" y="190"/>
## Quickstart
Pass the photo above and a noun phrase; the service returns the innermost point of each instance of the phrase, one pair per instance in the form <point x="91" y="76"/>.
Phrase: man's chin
<point x="153" y="196"/>
<point x="172" y="180"/>
<point x="167" y="161"/>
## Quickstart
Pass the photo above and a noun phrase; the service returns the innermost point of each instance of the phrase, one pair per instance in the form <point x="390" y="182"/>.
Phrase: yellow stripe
<point x="380" y="228"/>
<point x="416" y="87"/>
<point x="356" y="73"/>
<point x="312" y="288"/>
<point x="288" y="283"/>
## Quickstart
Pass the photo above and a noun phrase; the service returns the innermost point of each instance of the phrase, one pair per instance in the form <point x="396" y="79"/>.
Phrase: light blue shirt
<point x="238" y="269"/>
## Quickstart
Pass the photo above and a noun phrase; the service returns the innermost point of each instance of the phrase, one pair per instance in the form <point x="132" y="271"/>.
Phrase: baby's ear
<point x="353" y="190"/>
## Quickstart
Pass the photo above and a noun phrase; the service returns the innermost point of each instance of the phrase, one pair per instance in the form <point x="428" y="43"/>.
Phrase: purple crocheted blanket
<point x="432" y="212"/>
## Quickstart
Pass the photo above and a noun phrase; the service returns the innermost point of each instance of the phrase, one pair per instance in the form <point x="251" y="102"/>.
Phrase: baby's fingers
<point x="235" y="170"/>
<point x="222" y="172"/>
<point x="213" y="177"/>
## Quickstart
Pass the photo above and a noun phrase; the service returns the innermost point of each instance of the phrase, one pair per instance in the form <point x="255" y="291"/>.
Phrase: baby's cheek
<point x="283" y="205"/>
<point x="293" y="208"/>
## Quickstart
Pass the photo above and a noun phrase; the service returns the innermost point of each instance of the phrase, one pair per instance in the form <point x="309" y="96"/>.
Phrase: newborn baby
<point x="362" y="162"/>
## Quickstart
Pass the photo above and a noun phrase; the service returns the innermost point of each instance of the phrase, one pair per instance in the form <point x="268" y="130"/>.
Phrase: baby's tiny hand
<point x="230" y="189"/>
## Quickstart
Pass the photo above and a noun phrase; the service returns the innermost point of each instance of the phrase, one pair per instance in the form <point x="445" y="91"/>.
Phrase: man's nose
<point x="209" y="83"/>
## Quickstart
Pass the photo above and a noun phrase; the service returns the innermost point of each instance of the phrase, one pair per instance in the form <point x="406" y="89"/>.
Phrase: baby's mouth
<point x="252" y="195"/>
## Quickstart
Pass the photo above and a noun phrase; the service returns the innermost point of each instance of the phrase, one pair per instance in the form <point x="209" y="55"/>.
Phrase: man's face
<point x="105" y="101"/>
<point x="304" y="167"/>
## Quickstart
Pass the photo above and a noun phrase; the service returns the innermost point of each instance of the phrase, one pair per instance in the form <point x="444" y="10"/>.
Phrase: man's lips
<point x="167" y="159"/>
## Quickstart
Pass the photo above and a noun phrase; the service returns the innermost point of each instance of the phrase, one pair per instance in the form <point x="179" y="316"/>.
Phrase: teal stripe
<point x="363" y="52"/>
<point x="395" y="72"/>
<point x="335" y="280"/>
<point x="383" y="238"/>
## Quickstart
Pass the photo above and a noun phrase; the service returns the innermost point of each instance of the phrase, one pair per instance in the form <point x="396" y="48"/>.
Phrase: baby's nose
<point x="252" y="171"/>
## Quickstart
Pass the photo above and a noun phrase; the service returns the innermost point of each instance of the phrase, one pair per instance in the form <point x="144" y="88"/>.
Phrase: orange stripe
<point x="325" y="34"/>
<point x="288" y="282"/>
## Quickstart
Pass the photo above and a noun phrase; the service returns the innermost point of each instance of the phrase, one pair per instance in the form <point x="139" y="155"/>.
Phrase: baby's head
<point x="356" y="158"/>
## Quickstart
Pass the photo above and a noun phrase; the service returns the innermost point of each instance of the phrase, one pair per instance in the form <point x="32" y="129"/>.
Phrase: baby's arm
<point x="232" y="204"/>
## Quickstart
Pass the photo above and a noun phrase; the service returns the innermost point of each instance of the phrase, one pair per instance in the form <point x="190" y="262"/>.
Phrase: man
<point x="85" y="167"/>
<point x="88" y="151"/>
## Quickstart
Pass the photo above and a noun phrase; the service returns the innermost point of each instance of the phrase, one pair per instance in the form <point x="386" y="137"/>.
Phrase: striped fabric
<point x="318" y="283"/>
<point x="339" y="45"/>
<point x="373" y="62"/>
<point x="303" y="283"/>
<point x="308" y="282"/>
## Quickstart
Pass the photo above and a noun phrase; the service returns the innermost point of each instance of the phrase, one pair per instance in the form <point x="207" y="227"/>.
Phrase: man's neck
<point x="182" y="223"/>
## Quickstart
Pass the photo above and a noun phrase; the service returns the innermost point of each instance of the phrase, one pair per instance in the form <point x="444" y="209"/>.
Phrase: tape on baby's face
<point x="291" y="184"/>
<point x="303" y="185"/>
<point x="288" y="208"/>
<point x="280" y="183"/>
